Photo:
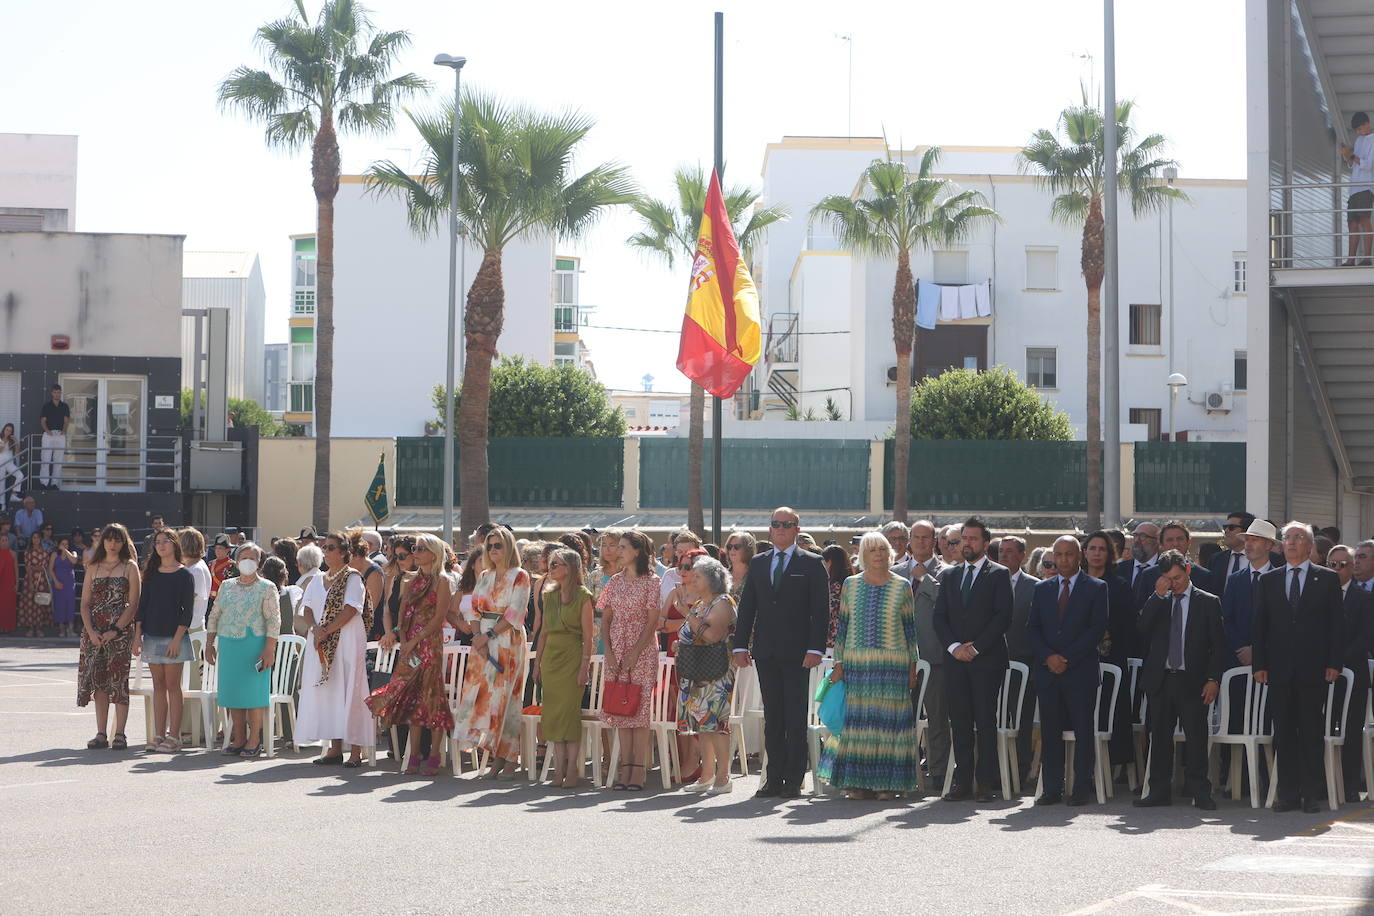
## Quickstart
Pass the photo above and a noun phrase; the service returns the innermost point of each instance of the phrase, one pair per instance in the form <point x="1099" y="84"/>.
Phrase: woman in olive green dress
<point x="563" y="655"/>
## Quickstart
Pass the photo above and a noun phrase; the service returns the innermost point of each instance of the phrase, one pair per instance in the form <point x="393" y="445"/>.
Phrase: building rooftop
<point x="217" y="265"/>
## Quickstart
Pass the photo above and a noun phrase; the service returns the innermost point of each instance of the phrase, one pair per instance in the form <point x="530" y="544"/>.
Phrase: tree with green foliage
<point x="994" y="404"/>
<point x="243" y="413"/>
<point x="528" y="399"/>
<point x="327" y="77"/>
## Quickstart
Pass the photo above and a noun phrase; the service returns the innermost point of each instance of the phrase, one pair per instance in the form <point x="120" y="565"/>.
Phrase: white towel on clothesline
<point x="983" y="298"/>
<point x="949" y="303"/>
<point x="968" y="304"/>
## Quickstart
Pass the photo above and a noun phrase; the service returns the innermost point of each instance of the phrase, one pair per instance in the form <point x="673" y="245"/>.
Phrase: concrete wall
<point x="246" y="300"/>
<point x="113" y="295"/>
<point x="286" y="473"/>
<point x="38" y="171"/>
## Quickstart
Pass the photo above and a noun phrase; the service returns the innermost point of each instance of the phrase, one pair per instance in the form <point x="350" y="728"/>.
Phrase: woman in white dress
<point x="9" y="466"/>
<point x="334" y="675"/>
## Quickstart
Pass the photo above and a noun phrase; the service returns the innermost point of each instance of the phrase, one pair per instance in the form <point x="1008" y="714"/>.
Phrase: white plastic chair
<point x="383" y="663"/>
<point x="1332" y="742"/>
<point x="1140" y="732"/>
<point x="745" y="694"/>
<point x="189" y="695"/>
<point x="146" y="691"/>
<point x="455" y="670"/>
<point x="1009" y="701"/>
<point x="816" y="732"/>
<point x="286" y="677"/>
<point x="1254" y="731"/>
<point x="529" y="725"/>
<point x="1102" y="734"/>
<point x="1368" y="739"/>
<point x="207" y="695"/>
<point x="592" y="727"/>
<point x="663" y="728"/>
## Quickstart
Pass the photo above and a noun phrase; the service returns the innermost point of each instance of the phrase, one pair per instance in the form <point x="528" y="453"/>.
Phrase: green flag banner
<point x="376" y="497"/>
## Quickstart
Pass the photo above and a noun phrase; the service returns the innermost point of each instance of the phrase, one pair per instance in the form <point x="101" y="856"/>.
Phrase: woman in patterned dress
<point x="739" y="550"/>
<point x="875" y="657"/>
<point x="704" y="706"/>
<point x="836" y="571"/>
<point x="489" y="715"/>
<point x="631" y="605"/>
<point x="414" y="697"/>
<point x="33" y="616"/>
<point x="108" y="605"/>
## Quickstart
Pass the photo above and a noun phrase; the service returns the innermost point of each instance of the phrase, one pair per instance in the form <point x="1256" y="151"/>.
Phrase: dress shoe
<point x="1311" y="807"/>
<point x="1077" y="799"/>
<point x="985" y="797"/>
<point x="768" y="790"/>
<point x="789" y="792"/>
<point x="1280" y="806"/>
<point x="1205" y="802"/>
<point x="1153" y="801"/>
<point x="1049" y="798"/>
<point x="958" y="794"/>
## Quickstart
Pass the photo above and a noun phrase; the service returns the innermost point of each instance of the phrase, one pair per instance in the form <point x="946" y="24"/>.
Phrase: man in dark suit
<point x="1231" y="559"/>
<point x="972" y="613"/>
<point x="1297" y="652"/>
<point x="1184" y="657"/>
<point x="921" y="568"/>
<point x="1012" y="555"/>
<point x="1241" y="597"/>
<point x="1173" y="536"/>
<point x="1357" y="636"/>
<point x="784" y="612"/>
<point x="1144" y="553"/>
<point x="1068" y="616"/>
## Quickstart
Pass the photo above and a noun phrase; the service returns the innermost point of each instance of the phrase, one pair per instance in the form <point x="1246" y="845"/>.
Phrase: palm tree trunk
<point x="324" y="171"/>
<point x="484" y="318"/>
<point x="1093" y="269"/>
<point x="903" y="339"/>
<point x="696" y="519"/>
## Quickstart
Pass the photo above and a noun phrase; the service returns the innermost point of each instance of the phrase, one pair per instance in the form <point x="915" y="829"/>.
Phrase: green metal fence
<point x="523" y="472"/>
<point x="953" y="475"/>
<point x="1189" y="477"/>
<point x="760" y="473"/>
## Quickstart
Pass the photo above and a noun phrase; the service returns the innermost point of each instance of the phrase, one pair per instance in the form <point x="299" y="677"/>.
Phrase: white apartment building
<point x="828" y="313"/>
<point x="1310" y="455"/>
<point x="37" y="183"/>
<point x="391" y="308"/>
<point x="230" y="280"/>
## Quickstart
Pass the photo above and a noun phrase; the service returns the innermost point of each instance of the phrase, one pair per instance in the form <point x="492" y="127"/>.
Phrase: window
<point x="1042" y="370"/>
<point x="950" y="266"/>
<point x="971" y="362"/>
<point x="1238" y="259"/>
<point x="302" y="362"/>
<point x="1042" y="268"/>
<point x="564" y="318"/>
<point x="305" y="245"/>
<point x="1242" y="371"/>
<point x="305" y="271"/>
<point x="304" y="304"/>
<point x="630" y="412"/>
<point x="565" y="354"/>
<point x="564" y="281"/>
<point x="1149" y="417"/>
<point x="1145" y="325"/>
<point x="302" y="397"/>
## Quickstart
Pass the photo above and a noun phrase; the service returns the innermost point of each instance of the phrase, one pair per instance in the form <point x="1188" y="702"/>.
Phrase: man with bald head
<point x="1068" y="617"/>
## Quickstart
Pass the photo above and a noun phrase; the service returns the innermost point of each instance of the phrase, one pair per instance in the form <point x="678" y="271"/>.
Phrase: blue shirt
<point x="26" y="523"/>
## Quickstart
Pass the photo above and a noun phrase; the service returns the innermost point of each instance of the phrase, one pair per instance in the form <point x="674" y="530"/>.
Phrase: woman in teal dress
<point x="241" y="641"/>
<point x="562" y="660"/>
<point x="875" y="657"/>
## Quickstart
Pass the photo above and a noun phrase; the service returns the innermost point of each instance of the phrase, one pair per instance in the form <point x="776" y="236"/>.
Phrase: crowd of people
<point x="1292" y="604"/>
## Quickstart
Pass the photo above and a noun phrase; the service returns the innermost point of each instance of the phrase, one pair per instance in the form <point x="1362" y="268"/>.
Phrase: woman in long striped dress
<point x="875" y="657"/>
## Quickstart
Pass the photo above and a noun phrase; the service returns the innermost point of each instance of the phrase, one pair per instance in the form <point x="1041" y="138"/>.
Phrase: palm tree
<point x="1070" y="166"/>
<point x="515" y="178"/>
<point x="670" y="232"/>
<point x="902" y="213"/>
<point x="326" y="78"/>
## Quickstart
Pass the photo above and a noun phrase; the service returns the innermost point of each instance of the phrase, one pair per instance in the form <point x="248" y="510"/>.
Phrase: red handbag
<point x="621" y="698"/>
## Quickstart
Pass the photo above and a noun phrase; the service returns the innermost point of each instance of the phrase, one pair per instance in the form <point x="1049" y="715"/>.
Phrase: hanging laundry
<point x="927" y="304"/>
<point x="968" y="306"/>
<point x="949" y="303"/>
<point x="983" y="296"/>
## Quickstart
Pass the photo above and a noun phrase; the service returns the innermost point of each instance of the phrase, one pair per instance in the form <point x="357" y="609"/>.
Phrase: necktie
<point x="1295" y="590"/>
<point x="1139" y="568"/>
<point x="1235" y="563"/>
<point x="1254" y="581"/>
<point x="918" y="572"/>
<point x="1063" y="597"/>
<point x="1176" y="636"/>
<point x="967" y="585"/>
<point x="777" y="570"/>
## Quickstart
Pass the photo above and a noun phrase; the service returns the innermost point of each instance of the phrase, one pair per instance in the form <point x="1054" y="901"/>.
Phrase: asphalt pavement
<point x="87" y="831"/>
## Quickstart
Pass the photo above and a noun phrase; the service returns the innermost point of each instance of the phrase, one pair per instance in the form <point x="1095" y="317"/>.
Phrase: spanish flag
<point x="720" y="333"/>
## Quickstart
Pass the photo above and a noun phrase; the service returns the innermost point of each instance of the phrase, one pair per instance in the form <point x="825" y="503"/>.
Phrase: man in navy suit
<point x="972" y="613"/>
<point x="1231" y="559"/>
<point x="1173" y="536"/>
<point x="1297" y="652"/>
<point x="1184" y="655"/>
<point x="1357" y="636"/>
<point x="1144" y="553"/>
<point x="784" y="613"/>
<point x="1242" y="590"/>
<point x="1068" y="616"/>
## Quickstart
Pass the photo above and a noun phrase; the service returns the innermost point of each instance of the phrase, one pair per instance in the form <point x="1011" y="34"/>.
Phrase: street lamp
<point x="1171" y="175"/>
<point x="454" y="322"/>
<point x="1175" y="382"/>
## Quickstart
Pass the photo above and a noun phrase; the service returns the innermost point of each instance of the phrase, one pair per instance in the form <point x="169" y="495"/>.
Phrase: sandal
<point x="258" y="751"/>
<point x="431" y="767"/>
<point x="97" y="743"/>
<point x="232" y="750"/>
<point x="353" y="763"/>
<point x="635" y="786"/>
<point x="328" y="760"/>
<point x="413" y="768"/>
<point x="120" y="742"/>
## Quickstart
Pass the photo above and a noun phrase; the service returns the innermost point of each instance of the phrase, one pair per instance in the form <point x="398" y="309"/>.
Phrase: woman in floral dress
<point x="489" y="714"/>
<point x="704" y="706"/>
<point x="630" y="602"/>
<point x="107" y="612"/>
<point x="415" y="696"/>
<point x="35" y="617"/>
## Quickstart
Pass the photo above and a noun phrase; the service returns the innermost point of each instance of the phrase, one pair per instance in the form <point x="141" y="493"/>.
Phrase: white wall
<point x="390" y="313"/>
<point x="246" y="300"/>
<point x="38" y="171"/>
<point x="113" y="295"/>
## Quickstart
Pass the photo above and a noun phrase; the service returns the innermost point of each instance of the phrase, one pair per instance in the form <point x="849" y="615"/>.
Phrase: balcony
<point x="783" y="345"/>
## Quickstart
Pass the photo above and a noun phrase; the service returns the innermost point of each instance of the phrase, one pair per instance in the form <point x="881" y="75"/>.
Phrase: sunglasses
<point x="554" y="564"/>
<point x="1339" y="564"/>
<point x="734" y="546"/>
<point x="954" y="542"/>
<point x="687" y="568"/>
<point x="327" y="547"/>
<point x="1232" y="527"/>
<point x="782" y="524"/>
<point x="402" y="556"/>
<point x="495" y="545"/>
<point x="1047" y="563"/>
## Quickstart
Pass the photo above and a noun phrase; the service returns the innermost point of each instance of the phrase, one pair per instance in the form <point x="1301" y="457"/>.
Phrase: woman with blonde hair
<point x="489" y="715"/>
<point x="108" y="605"/>
<point x="415" y="696"/>
<point x="562" y="661"/>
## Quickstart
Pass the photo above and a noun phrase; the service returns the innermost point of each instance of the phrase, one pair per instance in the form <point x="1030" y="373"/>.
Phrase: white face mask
<point x="248" y="567"/>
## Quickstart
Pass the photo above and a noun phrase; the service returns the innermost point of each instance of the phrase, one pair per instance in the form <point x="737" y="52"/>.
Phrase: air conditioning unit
<point x="431" y="429"/>
<point x="1218" y="401"/>
<point x="892" y="376"/>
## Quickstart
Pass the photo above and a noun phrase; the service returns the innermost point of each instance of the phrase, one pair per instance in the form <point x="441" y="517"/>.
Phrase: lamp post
<point x="1175" y="382"/>
<point x="454" y="321"/>
<point x="1111" y="333"/>
<point x="1171" y="175"/>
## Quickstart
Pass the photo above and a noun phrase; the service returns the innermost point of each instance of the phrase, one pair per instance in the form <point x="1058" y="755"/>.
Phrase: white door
<point x="107" y="433"/>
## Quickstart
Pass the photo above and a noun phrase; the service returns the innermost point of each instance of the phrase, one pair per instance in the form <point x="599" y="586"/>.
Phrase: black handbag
<point x="698" y="663"/>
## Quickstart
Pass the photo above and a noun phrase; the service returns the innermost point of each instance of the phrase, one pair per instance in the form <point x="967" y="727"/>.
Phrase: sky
<point x="136" y="81"/>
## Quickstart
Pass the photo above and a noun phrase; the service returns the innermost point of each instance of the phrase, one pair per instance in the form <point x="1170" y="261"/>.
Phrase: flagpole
<point x="720" y="169"/>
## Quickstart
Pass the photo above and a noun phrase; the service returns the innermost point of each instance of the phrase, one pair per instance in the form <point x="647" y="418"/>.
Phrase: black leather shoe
<point x="1310" y="807"/>
<point x="1154" y="801"/>
<point x="1049" y="798"/>
<point x="789" y="792"/>
<point x="985" y="797"/>
<point x="1281" y="806"/>
<point x="1077" y="799"/>
<point x="1205" y="802"/>
<point x="768" y="790"/>
<point x="958" y="794"/>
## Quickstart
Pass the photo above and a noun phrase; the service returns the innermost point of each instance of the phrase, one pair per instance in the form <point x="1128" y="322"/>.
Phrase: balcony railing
<point x="1307" y="225"/>
<point x="84" y="465"/>
<point x="782" y="338"/>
